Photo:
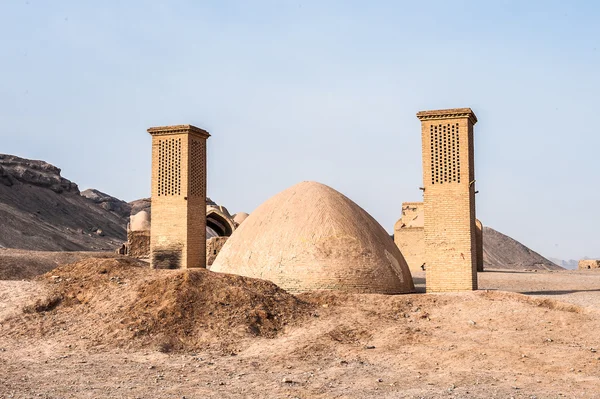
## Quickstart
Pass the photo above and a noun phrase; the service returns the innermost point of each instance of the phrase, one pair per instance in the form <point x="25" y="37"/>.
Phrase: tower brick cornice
<point x="453" y="113"/>
<point x="178" y="129"/>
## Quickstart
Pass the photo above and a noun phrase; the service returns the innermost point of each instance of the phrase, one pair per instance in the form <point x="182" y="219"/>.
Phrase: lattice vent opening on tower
<point x="445" y="153"/>
<point x="169" y="167"/>
<point x="197" y="154"/>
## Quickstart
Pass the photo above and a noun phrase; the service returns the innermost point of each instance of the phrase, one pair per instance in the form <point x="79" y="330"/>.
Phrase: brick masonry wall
<point x="449" y="201"/>
<point x="411" y="242"/>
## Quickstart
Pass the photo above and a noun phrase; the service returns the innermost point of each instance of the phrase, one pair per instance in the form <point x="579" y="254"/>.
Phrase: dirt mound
<point x="503" y="252"/>
<point x="17" y="264"/>
<point x="486" y="344"/>
<point x="123" y="302"/>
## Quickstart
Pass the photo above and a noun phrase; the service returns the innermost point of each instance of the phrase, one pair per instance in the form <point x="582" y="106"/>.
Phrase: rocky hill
<point x="108" y="202"/>
<point x="143" y="204"/>
<point x="41" y="210"/>
<point x="502" y="252"/>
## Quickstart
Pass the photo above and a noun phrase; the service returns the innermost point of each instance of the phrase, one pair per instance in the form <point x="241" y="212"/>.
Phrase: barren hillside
<point x="41" y="210"/>
<point x="502" y="252"/>
<point x="108" y="202"/>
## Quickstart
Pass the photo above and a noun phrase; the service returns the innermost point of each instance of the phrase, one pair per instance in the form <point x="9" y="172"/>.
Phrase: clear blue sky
<point x="318" y="90"/>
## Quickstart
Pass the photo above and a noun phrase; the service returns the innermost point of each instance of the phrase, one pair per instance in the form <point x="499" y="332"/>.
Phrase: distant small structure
<point x="586" y="264"/>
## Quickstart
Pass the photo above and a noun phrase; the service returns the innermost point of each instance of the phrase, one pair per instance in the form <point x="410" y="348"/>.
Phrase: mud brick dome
<point x="311" y="237"/>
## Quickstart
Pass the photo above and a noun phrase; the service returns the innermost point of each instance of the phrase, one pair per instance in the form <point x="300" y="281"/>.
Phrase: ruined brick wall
<point x="588" y="264"/>
<point x="412" y="214"/>
<point x="409" y="235"/>
<point x="213" y="247"/>
<point x="138" y="244"/>
<point x="178" y="197"/>
<point x="449" y="199"/>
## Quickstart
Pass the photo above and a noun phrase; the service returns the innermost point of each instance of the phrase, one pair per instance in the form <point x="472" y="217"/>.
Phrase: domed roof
<point x="140" y="221"/>
<point x="240" y="217"/>
<point x="311" y="237"/>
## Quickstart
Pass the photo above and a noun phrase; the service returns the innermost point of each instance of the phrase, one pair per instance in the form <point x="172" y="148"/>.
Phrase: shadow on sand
<point x="520" y="271"/>
<point x="554" y="292"/>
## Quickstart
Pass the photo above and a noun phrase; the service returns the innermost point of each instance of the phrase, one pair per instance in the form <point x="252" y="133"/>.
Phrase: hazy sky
<point x="318" y="90"/>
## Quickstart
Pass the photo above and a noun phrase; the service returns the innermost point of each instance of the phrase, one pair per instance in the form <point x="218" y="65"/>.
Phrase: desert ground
<point x="112" y="328"/>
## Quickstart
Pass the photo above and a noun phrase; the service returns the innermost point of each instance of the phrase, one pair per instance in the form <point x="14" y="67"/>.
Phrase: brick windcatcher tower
<point x="449" y="199"/>
<point x="178" y="233"/>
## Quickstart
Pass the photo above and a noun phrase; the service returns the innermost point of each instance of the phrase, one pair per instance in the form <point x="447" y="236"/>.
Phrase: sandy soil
<point x="487" y="344"/>
<point x="573" y="286"/>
